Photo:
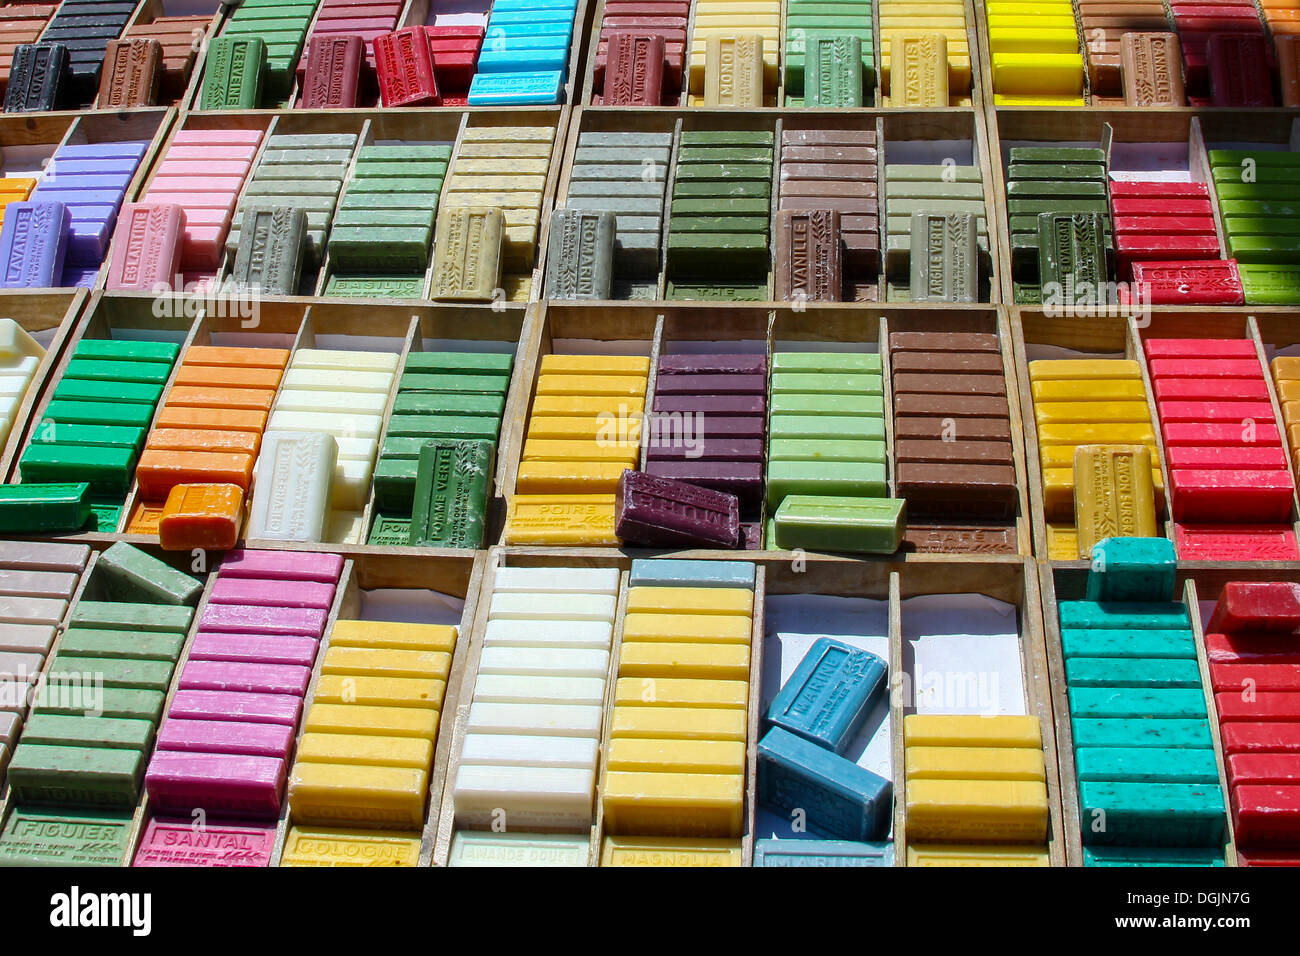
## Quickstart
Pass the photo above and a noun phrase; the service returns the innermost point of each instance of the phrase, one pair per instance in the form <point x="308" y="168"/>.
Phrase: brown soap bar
<point x="952" y="406"/>
<point x="840" y="172"/>
<point x="935" y="538"/>
<point x="946" y="362"/>
<point x="828" y="154"/>
<point x="828" y="137"/>
<point x="959" y="450"/>
<point x="130" y="76"/>
<point x="913" y="382"/>
<point x="934" y="428"/>
<point x="943" y="342"/>
<point x="859" y="208"/>
<point x="1153" y="70"/>
<point x="950" y="488"/>
<point x="809" y="256"/>
<point x="1288" y="68"/>
<point x="824" y="188"/>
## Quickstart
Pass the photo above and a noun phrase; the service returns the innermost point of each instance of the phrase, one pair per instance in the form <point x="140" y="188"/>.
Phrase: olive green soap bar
<point x="233" y="73"/>
<point x="452" y="483"/>
<point x="130" y="574"/>
<point x="95" y="776"/>
<point x="117" y="615"/>
<point x="38" y="837"/>
<point x="128" y="703"/>
<point x="58" y="730"/>
<point x="93" y="642"/>
<point x="117" y="672"/>
<point x="857" y="525"/>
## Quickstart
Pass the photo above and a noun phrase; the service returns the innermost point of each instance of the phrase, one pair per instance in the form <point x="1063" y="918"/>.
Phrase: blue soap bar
<point x="525" y="89"/>
<point x="84" y="181"/>
<point x="525" y="6"/>
<point x="1132" y="569"/>
<point x="822" y="853"/>
<point x="668" y="573"/>
<point x="829" y="694"/>
<point x="107" y="166"/>
<point x="1146" y="765"/>
<point x="131" y="148"/>
<point x="1151" y="856"/>
<point x="525" y="18"/>
<point x="32" y="244"/>
<point x="526" y="39"/>
<point x="1131" y="672"/>
<point x="1131" y="732"/>
<point x="1136" y="702"/>
<point x="1161" y="615"/>
<point x="1088" y="642"/>
<point x="840" y="798"/>
<point x="1151" y="814"/>
<point x="510" y="60"/>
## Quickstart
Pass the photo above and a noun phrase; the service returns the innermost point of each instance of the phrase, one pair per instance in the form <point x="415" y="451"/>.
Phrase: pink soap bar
<point x="204" y="246"/>
<point x="1215" y="411"/>
<point x="208" y="166"/>
<point x="1205" y="368"/>
<point x="180" y="842"/>
<point x="268" y="593"/>
<point x="1249" y="496"/>
<point x="1252" y="647"/>
<point x="1272" y="606"/>
<point x="1209" y="433"/>
<point x="1225" y="456"/>
<point x="222" y="784"/>
<point x="1250" y="389"/>
<point x="225" y="737"/>
<point x="146" y="246"/>
<point x="245" y="678"/>
<point x="244" y="619"/>
<point x="192" y="201"/>
<point x="246" y="153"/>
<point x="218" y="137"/>
<point x="199" y="183"/>
<point x="219" y="215"/>
<point x="1228" y="542"/>
<point x="283" y="565"/>
<point x="227" y="705"/>
<point x="1200" y="348"/>
<point x="253" y="649"/>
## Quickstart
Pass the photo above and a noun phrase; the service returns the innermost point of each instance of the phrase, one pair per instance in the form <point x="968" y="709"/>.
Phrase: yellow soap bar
<point x="695" y="660"/>
<point x="986" y="810"/>
<point x="1089" y="390"/>
<point x="1286" y="366"/>
<point x="502" y="167"/>
<point x="572" y="478"/>
<point x="975" y="763"/>
<point x="588" y="406"/>
<point x="1055" y="21"/>
<point x="1075" y="413"/>
<point x="681" y="692"/>
<point x="1114" y="496"/>
<point x="1058" y="493"/>
<point x="362" y="718"/>
<point x="966" y="854"/>
<point x="1044" y="369"/>
<point x="391" y="634"/>
<point x="648" y="755"/>
<point x="545" y="449"/>
<point x="694" y="600"/>
<point x="554" y="519"/>
<point x="733" y="71"/>
<point x="1062" y="542"/>
<point x="380" y="797"/>
<point x="1288" y="390"/>
<point x="1053" y="74"/>
<point x="669" y="851"/>
<point x="920" y="69"/>
<point x="1001" y="99"/>
<point x="711" y="628"/>
<point x="1034" y="43"/>
<point x="630" y="386"/>
<point x="367" y="749"/>
<point x="560" y="364"/>
<point x="584" y="427"/>
<point x="674" y="804"/>
<point x="472" y="185"/>
<point x="1062" y="456"/>
<point x="969" y="730"/>
<point x="509" y="135"/>
<point x="386" y="662"/>
<point x="678" y="723"/>
<point x="322" y="846"/>
<point x="382" y="691"/>
<point x="1127" y="433"/>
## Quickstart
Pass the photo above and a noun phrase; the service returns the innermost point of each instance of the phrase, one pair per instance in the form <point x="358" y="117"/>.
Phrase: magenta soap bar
<point x="245" y="678"/>
<point x="253" y="649"/>
<point x="181" y="843"/>
<point x="658" y="512"/>
<point x="267" y="593"/>
<point x="146" y="246"/>
<point x="283" y="565"/>
<point x="221" y="784"/>
<point x="225" y="737"/>
<point x="243" y="619"/>
<point x="228" y="705"/>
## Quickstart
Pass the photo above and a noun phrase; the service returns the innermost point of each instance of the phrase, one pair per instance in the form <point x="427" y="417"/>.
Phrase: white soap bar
<point x="516" y="689"/>
<point x="335" y="403"/>
<point x="524" y="797"/>
<point x="56" y="584"/>
<point x="483" y="848"/>
<point x="557" y="720"/>
<point x="515" y="750"/>
<point x="345" y="527"/>
<point x="14" y="386"/>
<point x="556" y="580"/>
<point x="551" y="607"/>
<point x="15" y="342"/>
<point x="340" y="426"/>
<point x="46" y="556"/>
<point x="26" y="610"/>
<point x="27" y="638"/>
<point x="344" y="361"/>
<point x="336" y="380"/>
<point x="357" y="449"/>
<point x="8" y="728"/>
<point x="508" y="633"/>
<point x="544" y="661"/>
<point x="292" y="493"/>
<point x="351" y="485"/>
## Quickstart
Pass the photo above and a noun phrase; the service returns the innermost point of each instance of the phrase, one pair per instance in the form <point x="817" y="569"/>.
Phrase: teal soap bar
<point x="35" y="508"/>
<point x="822" y="853"/>
<point x="1139" y="732"/>
<point x="1131" y="672"/>
<point x="1098" y="642"/>
<point x="1152" y="856"/>
<point x="1146" y="765"/>
<point x="1151" y="814"/>
<point x="1132" y="569"/>
<point x="1136" y="702"/>
<point x="117" y="615"/>
<point x="129" y="574"/>
<point x="1157" y="615"/>
<point x="673" y="573"/>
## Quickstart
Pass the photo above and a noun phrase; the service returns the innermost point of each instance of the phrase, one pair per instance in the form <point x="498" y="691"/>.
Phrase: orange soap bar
<point x="144" y="518"/>
<point x="223" y="376"/>
<point x="204" y="439"/>
<point x="160" y="471"/>
<point x="204" y="396"/>
<point x="233" y="419"/>
<point x="201" y="516"/>
<point x="243" y="358"/>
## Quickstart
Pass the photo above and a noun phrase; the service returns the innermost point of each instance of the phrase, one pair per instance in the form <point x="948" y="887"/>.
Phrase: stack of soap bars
<point x="1207" y="32"/>
<point x="525" y="61"/>
<point x="532" y="734"/>
<point x="20" y="356"/>
<point x="716" y="20"/>
<point x="583" y="432"/>
<point x="445" y="401"/>
<point x="14" y="189"/>
<point x="368" y="741"/>
<point x="180" y="39"/>
<point x="829" y="54"/>
<point x="281" y="27"/>
<point x="939" y="210"/>
<point x="20" y="25"/>
<point x="932" y="48"/>
<point x="1249" y="642"/>
<point x="84" y="28"/>
<point x="95" y="422"/>
<point x="1035" y="51"/>
<point x="1257" y="189"/>
<point x="91" y="729"/>
<point x="676" y="760"/>
<point x="1109" y="72"/>
<point x="1285" y="35"/>
<point x="1159" y="223"/>
<point x="1143" y="754"/>
<point x="1227" y="465"/>
<point x="646" y="43"/>
<point x="1286" y="381"/>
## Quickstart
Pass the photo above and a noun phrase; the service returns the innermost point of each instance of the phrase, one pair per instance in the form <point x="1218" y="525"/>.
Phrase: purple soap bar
<point x="178" y="842"/>
<point x="79" y="276"/>
<point x="88" y="239"/>
<point x="743" y="479"/>
<point x="225" y="737"/>
<point x="253" y="649"/>
<point x="712" y="404"/>
<point x="707" y="447"/>
<point x="721" y="384"/>
<point x="662" y="514"/>
<point x="222" y="784"/>
<point x="227" y="705"/>
<point x="245" y="619"/>
<point x="739" y="426"/>
<point x="711" y="364"/>
<point x="245" y="678"/>
<point x="261" y="592"/>
<point x="33" y="241"/>
<point x="283" y="565"/>
<point x="74" y="198"/>
<point x="127" y="148"/>
<point x="60" y="165"/>
<point x="751" y="536"/>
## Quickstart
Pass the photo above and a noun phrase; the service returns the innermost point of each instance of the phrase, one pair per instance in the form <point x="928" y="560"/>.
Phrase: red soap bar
<point x="333" y="73"/>
<point x="404" y="63"/>
<point x="1200" y="389"/>
<point x="1215" y="411"/>
<point x="1235" y="678"/>
<point x="1206" y="368"/>
<point x="1146" y="206"/>
<point x="1246" y="457"/>
<point x="455" y="31"/>
<point x="1265" y="706"/>
<point x="1263" y="768"/>
<point x="1258" y="857"/>
<point x="1189" y="283"/>
<point x="1133" y="246"/>
<point x="1239" y="73"/>
<point x="1250" y="496"/>
<point x="1247" y="737"/>
<point x="1209" y="433"/>
<point x="1200" y="348"/>
<point x="1120" y="189"/>
<point x="1164" y="225"/>
<point x="1257" y="607"/>
<point x="1252" y="647"/>
<point x="634" y="70"/>
<point x="1267" y="814"/>
<point x="1228" y="542"/>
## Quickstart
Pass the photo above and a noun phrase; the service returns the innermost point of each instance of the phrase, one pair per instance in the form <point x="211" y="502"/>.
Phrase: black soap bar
<point x="36" y="77"/>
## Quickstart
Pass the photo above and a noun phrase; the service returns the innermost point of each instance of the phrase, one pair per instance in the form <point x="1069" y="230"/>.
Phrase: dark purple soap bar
<point x="707" y="447"/>
<point x="751" y="536"/>
<point x="713" y="364"/>
<point x="712" y="404"/>
<point x="32" y="244"/>
<point x="716" y="384"/>
<point x="739" y="426"/>
<point x="744" y="479"/>
<point x="659" y="513"/>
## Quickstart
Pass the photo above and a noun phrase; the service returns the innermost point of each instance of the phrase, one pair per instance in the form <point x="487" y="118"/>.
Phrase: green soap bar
<point x="273" y="156"/>
<point x="1257" y="157"/>
<point x="311" y="141"/>
<point x="34" y="837"/>
<point x="1261" y="207"/>
<point x="127" y="350"/>
<point x="1275" y="191"/>
<point x="486" y="384"/>
<point x="419" y="151"/>
<point x="825" y="403"/>
<point x="57" y="730"/>
<point x="384" y="217"/>
<point x="723" y="154"/>
<point x="128" y="703"/>
<point x="119" y="615"/>
<point x="104" y="516"/>
<point x="1138" y="732"/>
<point x="1151" y="856"/>
<point x="425" y="427"/>
<point x="355" y="202"/>
<point x="737" y="137"/>
<point x="1076" y="172"/>
<point x="731" y="291"/>
<point x="1017" y="207"/>
<point x="393" y="184"/>
<point x="720" y="224"/>
<point x="806" y="449"/>
<point x="725" y="172"/>
<point x="86" y="390"/>
<point x="1146" y="765"/>
<point x="300" y="173"/>
<point x="826" y="362"/>
<point x="1263" y="179"/>
<point x="390" y="531"/>
<point x="90" y="642"/>
<point x="1270" y="285"/>
<point x="1054" y="189"/>
<point x="1024" y="230"/>
<point x="107" y="468"/>
<point x="683" y="189"/>
<point x="315" y="190"/>
<point x="939" y="189"/>
<point x="118" y="672"/>
<point x="915" y="172"/>
<point x="1131" y="672"/>
<point x="129" y="414"/>
<point x="72" y="434"/>
<point x="1136" y="702"/>
<point x="453" y="479"/>
<point x="1261" y="226"/>
<point x="827" y="427"/>
<point x="720" y="207"/>
<point x="95" y="776"/>
<point x="152" y="373"/>
<point x="129" y="574"/>
<point x="31" y="508"/>
<point x="858" y="525"/>
<point x="461" y="363"/>
<point x="1278" y="250"/>
<point x="394" y="483"/>
<point x="448" y="403"/>
<point x="234" y="72"/>
<point x="812" y="383"/>
<point x="826" y="478"/>
<point x="391" y="287"/>
<point x="400" y="248"/>
<point x="1151" y="814"/>
<point x="428" y="169"/>
<point x="1155" y="615"/>
<point x="1090" y="642"/>
<point x="1057" y="154"/>
<point x="1132" y="569"/>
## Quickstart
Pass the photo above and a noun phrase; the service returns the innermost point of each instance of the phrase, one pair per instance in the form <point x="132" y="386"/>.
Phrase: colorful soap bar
<point x="829" y="694"/>
<point x="657" y="512"/>
<point x="841" y="799"/>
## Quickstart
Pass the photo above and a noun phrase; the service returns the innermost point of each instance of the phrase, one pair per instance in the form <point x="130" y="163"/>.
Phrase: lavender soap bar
<point x="32" y="244"/>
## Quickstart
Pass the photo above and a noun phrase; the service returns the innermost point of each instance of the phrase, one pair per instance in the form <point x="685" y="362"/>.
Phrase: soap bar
<point x="1131" y="569"/>
<point x="1250" y="607"/>
<point x="33" y="241"/>
<point x="146" y="246"/>
<point x="272" y="242"/>
<point x="850" y="524"/>
<point x="634" y="69"/>
<point x="233" y="73"/>
<point x="1072" y="257"/>
<point x="669" y="851"/>
<point x="1113" y="494"/>
<point x="833" y="71"/>
<point x="132" y="70"/>
<point x="997" y="810"/>
<point x="205" y="515"/>
<point x="841" y="799"/>
<point x="453" y="478"/>
<point x="809" y="264"/>
<point x="944" y="257"/>
<point x="1152" y="69"/>
<point x="130" y="574"/>
<point x="919" y="70"/>
<point x="327" y="846"/>
<point x="38" y="75"/>
<point x="1239" y="70"/>
<point x="467" y="254"/>
<point x="41" y="837"/>
<point x="34" y="507"/>
<point x="1153" y="814"/>
<point x="177" y="843"/>
<point x="580" y="255"/>
<point x="333" y="72"/>
<point x="822" y="853"/>
<point x="830" y="694"/>
<point x="292" y="495"/>
<point x="658" y="512"/>
<point x="733" y="70"/>
<point x="404" y="63"/>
